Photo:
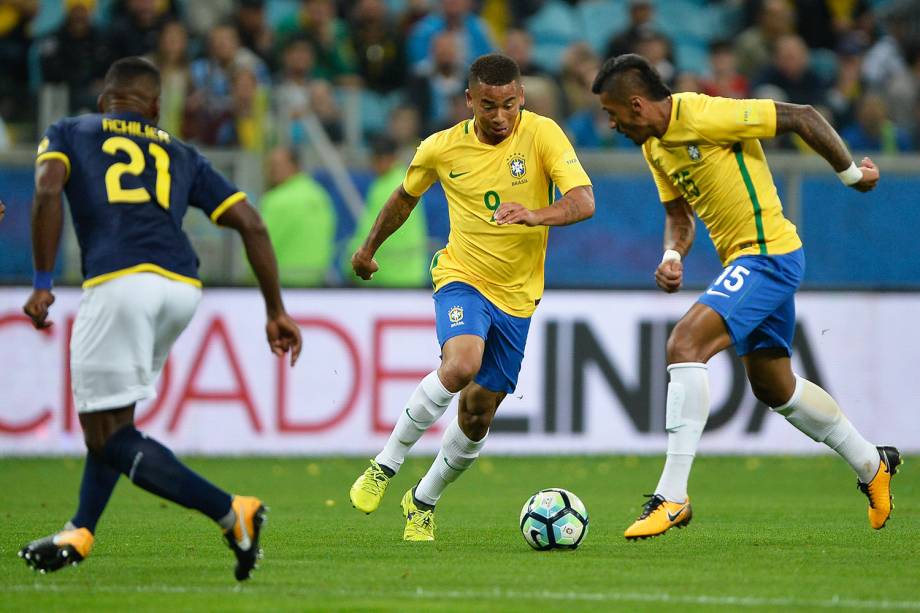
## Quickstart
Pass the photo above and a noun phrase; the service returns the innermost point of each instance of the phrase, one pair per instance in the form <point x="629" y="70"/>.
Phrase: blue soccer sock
<point x="95" y="490"/>
<point x="153" y="467"/>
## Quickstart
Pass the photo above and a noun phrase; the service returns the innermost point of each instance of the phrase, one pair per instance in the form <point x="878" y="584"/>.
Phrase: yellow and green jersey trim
<point x="226" y="204"/>
<point x="55" y="155"/>
<point x="100" y="279"/>
<point x="752" y="194"/>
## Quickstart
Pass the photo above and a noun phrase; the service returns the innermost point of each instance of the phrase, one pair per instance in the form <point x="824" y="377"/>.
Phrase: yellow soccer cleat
<point x="243" y="537"/>
<point x="878" y="491"/>
<point x="419" y="522"/>
<point x="367" y="491"/>
<point x="51" y="553"/>
<point x="658" y="516"/>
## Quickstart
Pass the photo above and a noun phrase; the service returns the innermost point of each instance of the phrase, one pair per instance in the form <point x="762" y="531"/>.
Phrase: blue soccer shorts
<point x="461" y="309"/>
<point x="755" y="295"/>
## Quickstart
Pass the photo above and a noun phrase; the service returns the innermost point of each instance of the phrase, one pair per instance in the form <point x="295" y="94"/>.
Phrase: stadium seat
<point x="599" y="21"/>
<point x="553" y="29"/>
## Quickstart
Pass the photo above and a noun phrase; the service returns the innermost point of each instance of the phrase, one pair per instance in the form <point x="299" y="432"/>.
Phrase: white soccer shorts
<point x="122" y="335"/>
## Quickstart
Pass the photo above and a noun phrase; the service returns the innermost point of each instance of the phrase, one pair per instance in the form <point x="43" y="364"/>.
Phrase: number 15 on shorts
<point x="731" y="280"/>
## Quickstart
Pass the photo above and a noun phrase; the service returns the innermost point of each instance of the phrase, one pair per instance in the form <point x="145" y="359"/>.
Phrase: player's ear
<point x="636" y="103"/>
<point x="521" y="93"/>
<point x="469" y="99"/>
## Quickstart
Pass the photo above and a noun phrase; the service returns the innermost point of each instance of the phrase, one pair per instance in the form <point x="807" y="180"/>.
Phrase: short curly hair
<point x="494" y="69"/>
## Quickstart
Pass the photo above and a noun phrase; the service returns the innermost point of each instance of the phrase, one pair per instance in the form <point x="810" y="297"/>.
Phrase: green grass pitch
<point x="768" y="534"/>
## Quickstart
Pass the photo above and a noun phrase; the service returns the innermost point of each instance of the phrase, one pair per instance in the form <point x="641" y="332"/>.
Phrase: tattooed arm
<point x="393" y="215"/>
<point x="811" y="126"/>
<point x="576" y="205"/>
<point x="679" y="232"/>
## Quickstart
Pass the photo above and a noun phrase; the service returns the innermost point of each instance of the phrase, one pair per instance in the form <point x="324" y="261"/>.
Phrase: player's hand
<point x="870" y="176"/>
<point x="512" y="212"/>
<point x="2" y="210"/>
<point x="283" y="336"/>
<point x="364" y="265"/>
<point x="37" y="306"/>
<point x="670" y="275"/>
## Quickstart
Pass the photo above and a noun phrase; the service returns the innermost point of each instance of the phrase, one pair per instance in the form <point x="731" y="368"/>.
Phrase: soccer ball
<point x="554" y="518"/>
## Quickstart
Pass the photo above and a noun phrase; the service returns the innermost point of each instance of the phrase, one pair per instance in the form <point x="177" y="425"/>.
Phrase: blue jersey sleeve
<point x="55" y="145"/>
<point x="211" y="191"/>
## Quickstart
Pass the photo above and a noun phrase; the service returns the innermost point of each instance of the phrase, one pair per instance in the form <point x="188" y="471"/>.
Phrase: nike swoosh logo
<point x="676" y="515"/>
<point x="244" y="542"/>
<point x="713" y="292"/>
<point x="452" y="175"/>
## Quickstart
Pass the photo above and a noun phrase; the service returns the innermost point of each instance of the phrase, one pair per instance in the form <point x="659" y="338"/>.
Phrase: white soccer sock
<point x="687" y="412"/>
<point x="427" y="403"/>
<point x="456" y="455"/>
<point x="817" y="414"/>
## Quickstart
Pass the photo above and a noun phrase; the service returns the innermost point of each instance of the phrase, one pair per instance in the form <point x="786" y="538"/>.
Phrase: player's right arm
<point x="393" y="215"/>
<point x="679" y="232"/>
<point x="814" y="129"/>
<point x="420" y="176"/>
<point x="282" y="332"/>
<point x="47" y="221"/>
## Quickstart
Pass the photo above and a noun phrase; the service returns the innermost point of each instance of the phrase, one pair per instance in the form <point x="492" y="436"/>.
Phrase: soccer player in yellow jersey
<point x="500" y="171"/>
<point x="705" y="157"/>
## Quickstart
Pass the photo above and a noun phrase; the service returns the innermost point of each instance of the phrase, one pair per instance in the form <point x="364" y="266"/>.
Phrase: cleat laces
<point x="654" y="501"/>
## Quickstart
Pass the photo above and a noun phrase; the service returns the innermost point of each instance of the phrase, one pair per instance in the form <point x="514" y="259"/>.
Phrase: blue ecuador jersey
<point x="129" y="185"/>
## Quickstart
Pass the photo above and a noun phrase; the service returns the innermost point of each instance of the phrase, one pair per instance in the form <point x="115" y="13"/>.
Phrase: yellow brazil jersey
<point x="505" y="263"/>
<point x="710" y="155"/>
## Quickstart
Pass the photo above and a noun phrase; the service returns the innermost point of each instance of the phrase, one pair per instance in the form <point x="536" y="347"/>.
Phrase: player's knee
<point x="475" y="425"/>
<point x="768" y="395"/>
<point x="682" y="347"/>
<point x="95" y="439"/>
<point x="458" y="372"/>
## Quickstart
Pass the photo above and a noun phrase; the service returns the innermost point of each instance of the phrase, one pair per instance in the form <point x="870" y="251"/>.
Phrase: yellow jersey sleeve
<point x="720" y="120"/>
<point x="666" y="190"/>
<point x="422" y="172"/>
<point x="558" y="157"/>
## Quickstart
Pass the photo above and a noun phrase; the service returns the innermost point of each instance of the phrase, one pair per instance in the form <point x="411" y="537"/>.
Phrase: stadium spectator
<point x="519" y="47"/>
<point x="414" y="12"/>
<point x="884" y="61"/>
<point x="444" y="77"/>
<point x="754" y="46"/>
<point x="77" y="55"/>
<point x="330" y="36"/>
<point x="579" y="67"/>
<point x="247" y="125"/>
<point x="790" y="72"/>
<point x="136" y="30"/>
<point x="874" y="130"/>
<point x="844" y="94"/>
<point x="327" y="109"/>
<point x="292" y="91"/>
<point x="301" y="220"/>
<point x="254" y="31"/>
<point x="202" y="17"/>
<point x="825" y="23"/>
<point x="210" y="101"/>
<point x="405" y="127"/>
<point x="379" y="47"/>
<point x="641" y="27"/>
<point x="404" y="257"/>
<point x="724" y="80"/>
<point x="15" y="40"/>
<point x="656" y="48"/>
<point x="456" y="16"/>
<point x="171" y="58"/>
<point x="687" y="81"/>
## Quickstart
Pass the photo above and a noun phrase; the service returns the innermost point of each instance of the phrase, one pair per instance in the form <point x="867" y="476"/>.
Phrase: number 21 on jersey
<point x="135" y="166"/>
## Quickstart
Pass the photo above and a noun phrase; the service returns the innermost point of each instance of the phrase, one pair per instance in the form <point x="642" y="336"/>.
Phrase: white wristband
<point x="851" y="175"/>
<point x="669" y="255"/>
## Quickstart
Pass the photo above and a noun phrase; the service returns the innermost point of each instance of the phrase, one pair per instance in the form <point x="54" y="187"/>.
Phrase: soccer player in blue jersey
<point x="129" y="184"/>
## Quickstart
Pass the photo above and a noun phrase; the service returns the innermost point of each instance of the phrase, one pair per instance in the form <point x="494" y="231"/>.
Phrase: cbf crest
<point x="455" y="315"/>
<point x="517" y="165"/>
<point x="694" y="152"/>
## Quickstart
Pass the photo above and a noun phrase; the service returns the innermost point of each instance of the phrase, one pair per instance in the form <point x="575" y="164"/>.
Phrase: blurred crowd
<point x="255" y="73"/>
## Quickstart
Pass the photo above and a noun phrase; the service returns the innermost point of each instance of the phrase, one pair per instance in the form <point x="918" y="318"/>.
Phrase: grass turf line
<point x="769" y="533"/>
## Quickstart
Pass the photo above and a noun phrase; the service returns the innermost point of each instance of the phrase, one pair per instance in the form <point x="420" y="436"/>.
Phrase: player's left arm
<point x="576" y="205"/>
<point x="815" y="130"/>
<point x="47" y="221"/>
